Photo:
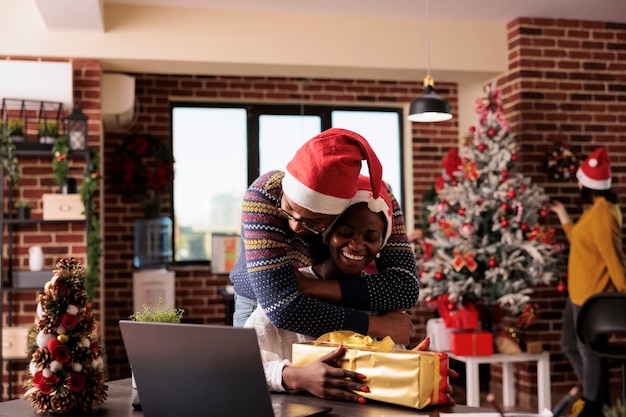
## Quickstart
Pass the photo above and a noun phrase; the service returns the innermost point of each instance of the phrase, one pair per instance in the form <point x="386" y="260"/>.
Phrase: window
<point x="220" y="149"/>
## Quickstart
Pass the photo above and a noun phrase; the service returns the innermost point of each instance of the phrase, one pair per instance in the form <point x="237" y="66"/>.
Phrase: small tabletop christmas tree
<point x="67" y="370"/>
<point x="488" y="239"/>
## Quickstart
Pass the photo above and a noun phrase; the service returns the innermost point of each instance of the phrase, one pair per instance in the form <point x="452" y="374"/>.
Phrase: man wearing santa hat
<point x="283" y="217"/>
<point x="595" y="265"/>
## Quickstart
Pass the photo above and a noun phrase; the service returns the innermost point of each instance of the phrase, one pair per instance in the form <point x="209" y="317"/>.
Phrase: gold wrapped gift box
<point x="402" y="377"/>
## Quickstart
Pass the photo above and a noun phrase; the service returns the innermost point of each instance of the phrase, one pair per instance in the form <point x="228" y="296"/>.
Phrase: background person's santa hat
<point x="324" y="173"/>
<point x="595" y="172"/>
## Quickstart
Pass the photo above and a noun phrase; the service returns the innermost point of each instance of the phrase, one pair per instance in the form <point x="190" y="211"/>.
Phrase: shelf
<point x="29" y="280"/>
<point x="26" y="222"/>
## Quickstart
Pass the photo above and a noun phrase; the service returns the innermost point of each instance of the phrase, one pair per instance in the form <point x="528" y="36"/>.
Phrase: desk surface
<point x="119" y="399"/>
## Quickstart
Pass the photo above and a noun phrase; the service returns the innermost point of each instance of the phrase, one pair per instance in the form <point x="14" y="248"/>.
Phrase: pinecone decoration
<point x="66" y="371"/>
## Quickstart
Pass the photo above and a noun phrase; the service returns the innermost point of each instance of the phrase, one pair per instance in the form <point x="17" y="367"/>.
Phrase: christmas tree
<point x="488" y="240"/>
<point x="67" y="370"/>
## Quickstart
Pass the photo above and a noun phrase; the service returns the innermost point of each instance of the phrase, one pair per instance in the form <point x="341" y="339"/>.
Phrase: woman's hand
<point x="425" y="345"/>
<point x="324" y="379"/>
<point x="558" y="207"/>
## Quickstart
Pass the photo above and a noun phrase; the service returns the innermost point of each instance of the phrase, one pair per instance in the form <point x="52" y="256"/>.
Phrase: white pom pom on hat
<point x="595" y="171"/>
<point x="324" y="173"/>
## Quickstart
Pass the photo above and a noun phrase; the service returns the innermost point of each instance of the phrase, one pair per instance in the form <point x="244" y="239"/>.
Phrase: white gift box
<point x="439" y="335"/>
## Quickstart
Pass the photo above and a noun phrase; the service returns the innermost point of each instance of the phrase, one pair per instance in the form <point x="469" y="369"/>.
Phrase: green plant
<point x="61" y="160"/>
<point x="48" y="128"/>
<point x="158" y="314"/>
<point x="8" y="160"/>
<point x="23" y="204"/>
<point x="94" y="250"/>
<point x="618" y="410"/>
<point x="16" y="127"/>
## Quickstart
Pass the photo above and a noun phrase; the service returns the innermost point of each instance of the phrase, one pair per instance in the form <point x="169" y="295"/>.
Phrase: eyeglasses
<point x="300" y="222"/>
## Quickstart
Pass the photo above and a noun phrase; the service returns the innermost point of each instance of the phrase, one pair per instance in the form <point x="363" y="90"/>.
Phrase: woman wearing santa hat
<point x="355" y="239"/>
<point x="595" y="265"/>
<point x="283" y="217"/>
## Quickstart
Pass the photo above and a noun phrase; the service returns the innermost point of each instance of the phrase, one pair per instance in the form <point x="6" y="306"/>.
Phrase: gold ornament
<point x="63" y="338"/>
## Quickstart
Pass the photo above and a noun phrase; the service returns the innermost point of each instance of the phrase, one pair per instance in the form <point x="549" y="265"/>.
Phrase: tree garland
<point x="144" y="169"/>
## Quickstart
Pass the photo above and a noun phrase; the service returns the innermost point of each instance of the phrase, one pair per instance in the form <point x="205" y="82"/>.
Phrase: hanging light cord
<point x="427" y="39"/>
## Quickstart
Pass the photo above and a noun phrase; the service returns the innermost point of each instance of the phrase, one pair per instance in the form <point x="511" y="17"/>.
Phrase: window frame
<point x="253" y="113"/>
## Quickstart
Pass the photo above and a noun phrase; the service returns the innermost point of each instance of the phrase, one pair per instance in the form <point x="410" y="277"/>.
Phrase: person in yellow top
<point x="595" y="265"/>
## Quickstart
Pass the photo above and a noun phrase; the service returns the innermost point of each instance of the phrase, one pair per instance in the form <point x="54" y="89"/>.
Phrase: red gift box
<point x="471" y="343"/>
<point x="463" y="318"/>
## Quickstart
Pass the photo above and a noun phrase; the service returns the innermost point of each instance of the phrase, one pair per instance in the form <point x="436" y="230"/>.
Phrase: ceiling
<point x="502" y="11"/>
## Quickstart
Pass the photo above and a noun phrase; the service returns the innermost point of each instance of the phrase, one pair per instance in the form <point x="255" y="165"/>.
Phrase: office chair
<point x="601" y="316"/>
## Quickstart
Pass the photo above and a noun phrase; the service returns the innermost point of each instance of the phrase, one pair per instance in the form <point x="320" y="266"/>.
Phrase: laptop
<point x="202" y="370"/>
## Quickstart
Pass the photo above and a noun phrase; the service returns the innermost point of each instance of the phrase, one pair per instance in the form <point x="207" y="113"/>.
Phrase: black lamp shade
<point x="429" y="107"/>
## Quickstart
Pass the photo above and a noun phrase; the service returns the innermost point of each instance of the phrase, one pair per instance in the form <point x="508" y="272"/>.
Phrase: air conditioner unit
<point x="119" y="104"/>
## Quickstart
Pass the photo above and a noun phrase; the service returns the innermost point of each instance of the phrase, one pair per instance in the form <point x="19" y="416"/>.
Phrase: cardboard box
<point x="15" y="342"/>
<point x="471" y="343"/>
<point x="402" y="377"/>
<point x="63" y="207"/>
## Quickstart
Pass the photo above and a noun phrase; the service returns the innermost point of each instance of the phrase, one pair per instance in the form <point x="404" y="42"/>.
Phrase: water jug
<point x="35" y="260"/>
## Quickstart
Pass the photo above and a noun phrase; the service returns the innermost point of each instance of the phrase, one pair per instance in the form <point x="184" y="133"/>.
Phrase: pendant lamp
<point x="429" y="107"/>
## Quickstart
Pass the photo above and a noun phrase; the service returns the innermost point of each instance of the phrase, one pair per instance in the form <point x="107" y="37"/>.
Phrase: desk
<point x="544" y="396"/>
<point x="119" y="396"/>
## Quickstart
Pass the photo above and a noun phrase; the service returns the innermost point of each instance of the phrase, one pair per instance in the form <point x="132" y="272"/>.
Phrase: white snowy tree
<point x="488" y="240"/>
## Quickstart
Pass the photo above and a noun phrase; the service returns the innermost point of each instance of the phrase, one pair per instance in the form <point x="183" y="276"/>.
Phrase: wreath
<point x="144" y="169"/>
<point x="562" y="162"/>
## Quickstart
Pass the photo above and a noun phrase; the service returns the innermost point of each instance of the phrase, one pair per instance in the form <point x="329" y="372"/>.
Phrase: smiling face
<point x="356" y="238"/>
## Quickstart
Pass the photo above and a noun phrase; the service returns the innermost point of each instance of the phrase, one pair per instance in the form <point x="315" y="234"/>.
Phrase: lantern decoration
<point x="77" y="129"/>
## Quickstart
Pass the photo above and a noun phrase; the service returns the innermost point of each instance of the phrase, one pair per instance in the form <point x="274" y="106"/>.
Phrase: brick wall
<point x="565" y="84"/>
<point x="197" y="290"/>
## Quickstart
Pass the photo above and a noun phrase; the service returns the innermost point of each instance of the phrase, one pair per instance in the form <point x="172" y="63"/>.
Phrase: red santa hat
<point x="376" y="204"/>
<point x="595" y="172"/>
<point x="324" y="173"/>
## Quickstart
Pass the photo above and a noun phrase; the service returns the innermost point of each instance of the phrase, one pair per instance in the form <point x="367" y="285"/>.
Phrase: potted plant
<point x="48" y="131"/>
<point x="8" y="160"/>
<point x="16" y="130"/>
<point x="156" y="314"/>
<point x="23" y="209"/>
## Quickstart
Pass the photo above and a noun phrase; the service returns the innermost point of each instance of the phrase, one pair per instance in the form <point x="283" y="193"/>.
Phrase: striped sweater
<point x="271" y="252"/>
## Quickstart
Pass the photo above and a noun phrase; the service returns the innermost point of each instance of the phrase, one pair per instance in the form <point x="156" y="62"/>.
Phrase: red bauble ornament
<point x="439" y="275"/>
<point x="479" y="202"/>
<point x="454" y="183"/>
<point x="511" y="194"/>
<point x="472" y="129"/>
<point x="481" y="147"/>
<point x="432" y="219"/>
<point x="514" y="157"/>
<point x="451" y="306"/>
<point x="504" y="223"/>
<point x="461" y="211"/>
<point x="505" y="206"/>
<point x="560" y="287"/>
<point x="467" y="229"/>
<point x="524" y="227"/>
<point x="442" y="207"/>
<point x="504" y="174"/>
<point x="544" y="212"/>
<point x="492" y="132"/>
<point x="492" y="262"/>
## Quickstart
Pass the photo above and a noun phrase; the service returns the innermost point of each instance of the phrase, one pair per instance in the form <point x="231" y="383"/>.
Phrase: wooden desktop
<point x="118" y="404"/>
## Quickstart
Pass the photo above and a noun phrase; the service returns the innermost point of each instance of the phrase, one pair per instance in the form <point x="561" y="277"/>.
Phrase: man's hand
<point x="324" y="379"/>
<point x="395" y="324"/>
